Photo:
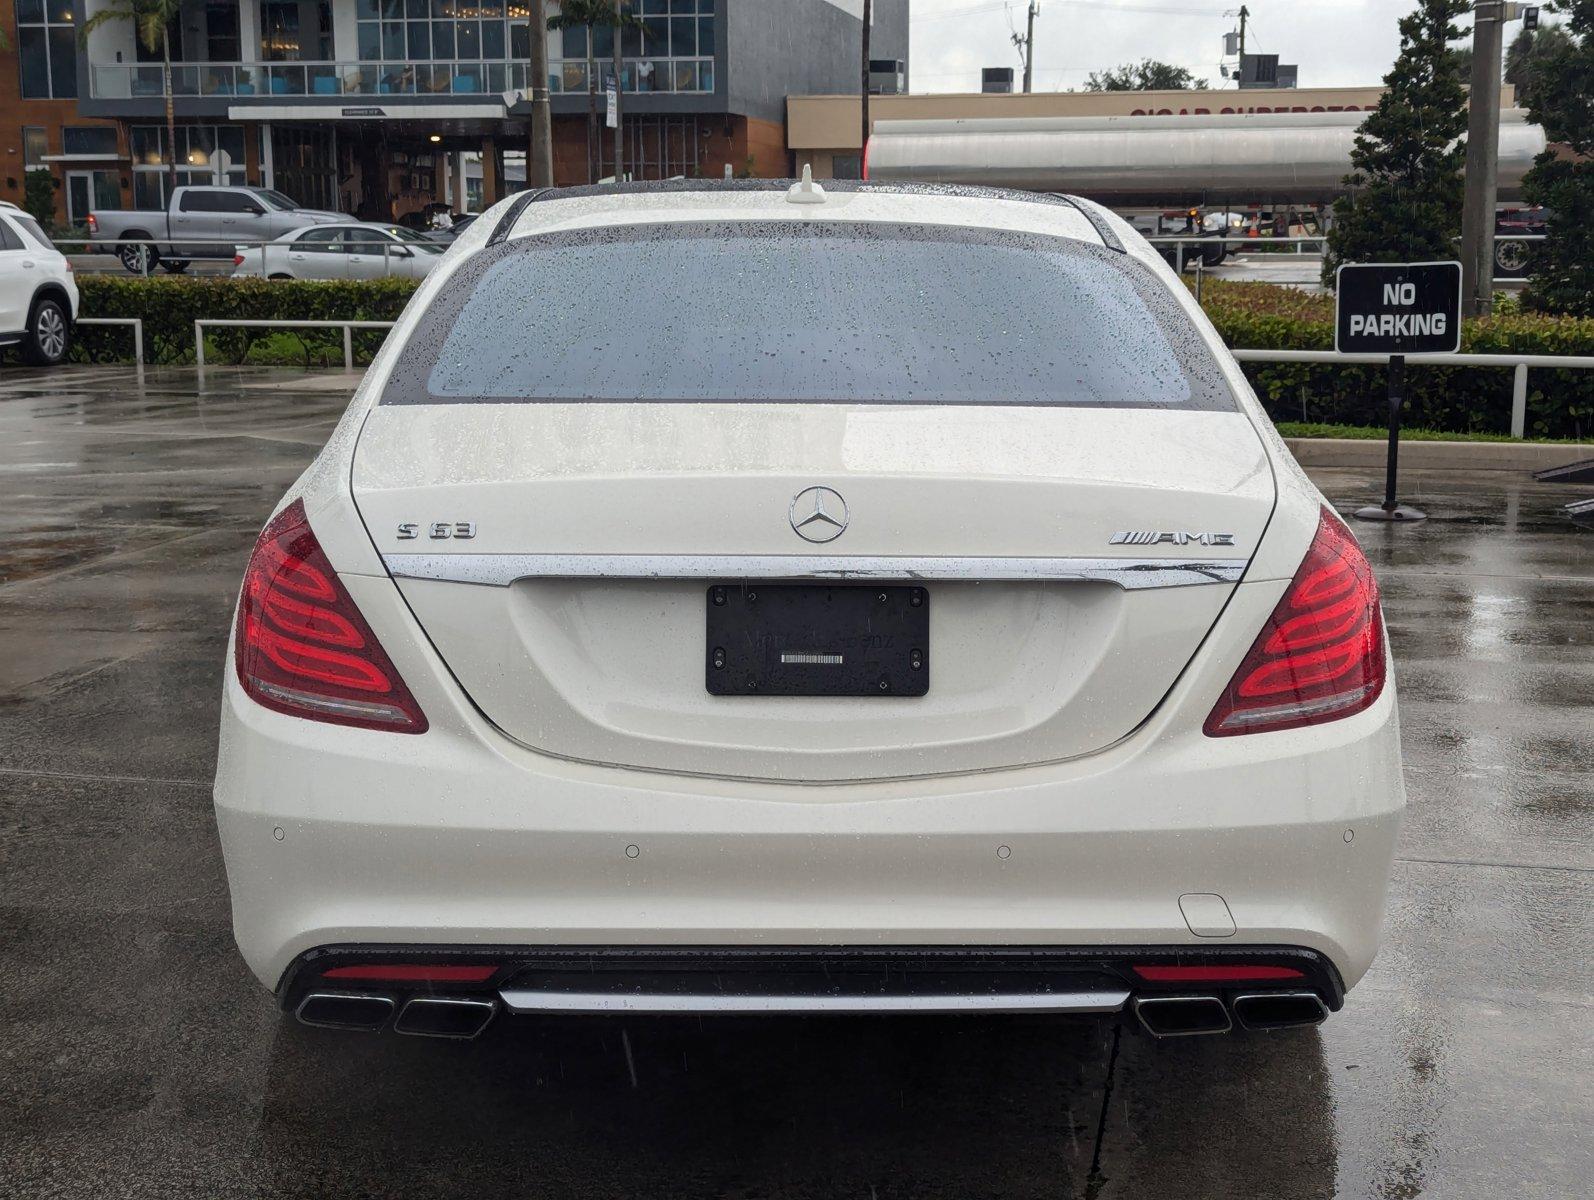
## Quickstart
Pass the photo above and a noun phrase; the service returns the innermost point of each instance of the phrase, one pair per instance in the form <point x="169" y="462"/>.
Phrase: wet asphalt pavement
<point x="138" y="1057"/>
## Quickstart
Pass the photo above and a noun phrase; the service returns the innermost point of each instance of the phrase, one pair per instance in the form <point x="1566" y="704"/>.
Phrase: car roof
<point x="672" y="201"/>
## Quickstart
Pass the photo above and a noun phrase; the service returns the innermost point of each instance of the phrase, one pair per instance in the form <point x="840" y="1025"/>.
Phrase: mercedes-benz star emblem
<point x="818" y="514"/>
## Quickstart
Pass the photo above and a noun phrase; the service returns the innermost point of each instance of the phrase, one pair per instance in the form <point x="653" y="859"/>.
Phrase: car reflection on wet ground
<point x="141" y="1059"/>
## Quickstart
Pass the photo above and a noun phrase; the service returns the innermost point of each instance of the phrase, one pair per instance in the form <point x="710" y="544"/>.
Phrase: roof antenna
<point x="805" y="190"/>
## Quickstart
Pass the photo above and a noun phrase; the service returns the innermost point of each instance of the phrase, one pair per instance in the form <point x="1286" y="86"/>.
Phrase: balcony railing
<point x="123" y="81"/>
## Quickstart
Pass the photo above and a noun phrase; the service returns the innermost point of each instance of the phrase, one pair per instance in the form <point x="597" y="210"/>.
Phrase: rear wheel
<point x="279" y="275"/>
<point x="140" y="258"/>
<point x="175" y="266"/>
<point x="49" y="334"/>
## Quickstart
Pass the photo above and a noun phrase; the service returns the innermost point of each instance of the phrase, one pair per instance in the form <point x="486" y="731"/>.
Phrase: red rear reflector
<point x="302" y="646"/>
<point x="413" y="973"/>
<point x="1234" y="974"/>
<point x="1320" y="656"/>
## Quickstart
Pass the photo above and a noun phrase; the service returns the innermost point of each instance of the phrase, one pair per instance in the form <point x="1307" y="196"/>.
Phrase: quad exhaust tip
<point x="1182" y="1016"/>
<point x="1279" y="1010"/>
<point x="461" y="1017"/>
<point x="345" y="1010"/>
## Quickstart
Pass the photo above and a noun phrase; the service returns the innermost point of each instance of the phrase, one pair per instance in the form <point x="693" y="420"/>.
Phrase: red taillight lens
<point x="1321" y="654"/>
<point x="94" y="225"/>
<point x="237" y="260"/>
<point x="302" y="646"/>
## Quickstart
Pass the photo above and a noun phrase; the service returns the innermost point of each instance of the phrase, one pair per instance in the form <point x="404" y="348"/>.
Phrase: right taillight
<point x="303" y="648"/>
<point x="1321" y="654"/>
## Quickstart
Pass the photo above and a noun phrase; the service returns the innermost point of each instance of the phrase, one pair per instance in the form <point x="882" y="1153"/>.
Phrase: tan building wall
<point x="820" y="128"/>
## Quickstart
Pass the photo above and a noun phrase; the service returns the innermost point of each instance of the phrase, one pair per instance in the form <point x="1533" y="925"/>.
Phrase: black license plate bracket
<point x="817" y="640"/>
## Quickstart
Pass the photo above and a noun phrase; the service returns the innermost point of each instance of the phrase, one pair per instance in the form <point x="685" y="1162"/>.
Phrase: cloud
<point x="1337" y="43"/>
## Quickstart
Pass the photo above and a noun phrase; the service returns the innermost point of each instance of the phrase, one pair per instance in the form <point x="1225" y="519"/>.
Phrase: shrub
<point x="1463" y="399"/>
<point x="170" y="306"/>
<point x="1256" y="315"/>
<point x="38" y="196"/>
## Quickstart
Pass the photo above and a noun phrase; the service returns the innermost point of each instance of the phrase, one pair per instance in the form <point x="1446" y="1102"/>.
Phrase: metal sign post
<point x="1396" y="309"/>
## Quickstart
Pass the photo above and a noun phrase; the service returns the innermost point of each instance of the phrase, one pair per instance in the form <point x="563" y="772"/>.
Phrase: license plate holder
<point x="817" y="640"/>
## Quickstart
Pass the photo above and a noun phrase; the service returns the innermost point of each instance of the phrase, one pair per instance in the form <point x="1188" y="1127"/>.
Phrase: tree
<point x="1406" y="164"/>
<point x="1147" y="75"/>
<point x="590" y="14"/>
<point x="1526" y="51"/>
<point x="152" y="21"/>
<point x="1561" y="98"/>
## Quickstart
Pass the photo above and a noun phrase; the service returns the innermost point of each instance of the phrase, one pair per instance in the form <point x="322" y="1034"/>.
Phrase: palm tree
<point x="591" y="14"/>
<point x="152" y="20"/>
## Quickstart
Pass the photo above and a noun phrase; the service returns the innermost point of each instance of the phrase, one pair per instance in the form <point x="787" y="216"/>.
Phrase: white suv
<point x="38" y="297"/>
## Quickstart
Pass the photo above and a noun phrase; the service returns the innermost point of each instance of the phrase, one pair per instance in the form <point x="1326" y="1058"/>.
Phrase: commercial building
<point x="380" y="107"/>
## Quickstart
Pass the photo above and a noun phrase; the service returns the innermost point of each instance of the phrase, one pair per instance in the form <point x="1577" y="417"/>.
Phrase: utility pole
<point x="863" y="145"/>
<point x="1483" y="160"/>
<point x="1029" y="48"/>
<point x="539" y="150"/>
<point x="619" y="118"/>
<point x="1244" y="13"/>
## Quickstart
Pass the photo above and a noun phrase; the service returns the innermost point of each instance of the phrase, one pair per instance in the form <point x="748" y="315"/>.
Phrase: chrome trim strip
<point x="1108" y="1001"/>
<point x="501" y="570"/>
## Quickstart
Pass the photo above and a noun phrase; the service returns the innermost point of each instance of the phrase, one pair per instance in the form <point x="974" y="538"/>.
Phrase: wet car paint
<point x="141" y="1059"/>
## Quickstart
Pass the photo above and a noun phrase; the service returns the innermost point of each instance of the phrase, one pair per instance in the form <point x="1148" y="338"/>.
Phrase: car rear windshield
<point x="818" y="312"/>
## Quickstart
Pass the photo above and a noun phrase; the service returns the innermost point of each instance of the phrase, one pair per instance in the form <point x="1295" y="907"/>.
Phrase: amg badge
<point x="1152" y="537"/>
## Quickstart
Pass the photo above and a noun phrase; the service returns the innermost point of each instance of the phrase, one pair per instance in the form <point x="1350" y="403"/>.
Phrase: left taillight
<point x="1320" y="656"/>
<point x="302" y="647"/>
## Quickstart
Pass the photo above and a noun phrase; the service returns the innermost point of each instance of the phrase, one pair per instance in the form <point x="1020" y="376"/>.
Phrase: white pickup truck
<point x="199" y="222"/>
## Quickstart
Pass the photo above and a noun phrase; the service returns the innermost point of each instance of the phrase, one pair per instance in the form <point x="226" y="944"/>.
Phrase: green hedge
<point x="1258" y="315"/>
<point x="1461" y="399"/>
<point x="170" y="306"/>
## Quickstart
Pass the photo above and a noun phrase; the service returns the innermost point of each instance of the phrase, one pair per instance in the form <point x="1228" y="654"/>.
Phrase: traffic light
<point x="1530" y="18"/>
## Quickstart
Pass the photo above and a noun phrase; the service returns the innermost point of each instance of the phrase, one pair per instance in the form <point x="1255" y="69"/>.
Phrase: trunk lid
<point x="612" y="670"/>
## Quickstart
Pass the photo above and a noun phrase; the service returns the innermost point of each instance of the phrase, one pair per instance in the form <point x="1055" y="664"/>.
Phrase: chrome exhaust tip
<point x="1257" y="1011"/>
<point x="461" y="1017"/>
<point x="345" y="1010"/>
<point x="1182" y="1016"/>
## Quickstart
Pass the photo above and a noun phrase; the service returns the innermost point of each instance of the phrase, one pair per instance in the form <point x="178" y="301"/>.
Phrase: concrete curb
<point x="1436" y="456"/>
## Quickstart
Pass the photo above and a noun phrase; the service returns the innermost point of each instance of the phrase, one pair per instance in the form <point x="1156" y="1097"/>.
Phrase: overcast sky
<point x="1336" y="42"/>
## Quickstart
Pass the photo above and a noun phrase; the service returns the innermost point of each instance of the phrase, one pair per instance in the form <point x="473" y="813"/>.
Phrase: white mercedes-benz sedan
<point x="742" y="597"/>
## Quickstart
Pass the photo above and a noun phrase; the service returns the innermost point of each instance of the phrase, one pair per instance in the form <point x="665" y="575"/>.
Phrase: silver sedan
<point x="355" y="250"/>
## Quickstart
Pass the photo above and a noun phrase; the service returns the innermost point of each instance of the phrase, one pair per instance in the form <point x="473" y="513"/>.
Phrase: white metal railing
<point x="138" y="332"/>
<point x="1519" y="362"/>
<point x="459" y="77"/>
<point x="348" y="328"/>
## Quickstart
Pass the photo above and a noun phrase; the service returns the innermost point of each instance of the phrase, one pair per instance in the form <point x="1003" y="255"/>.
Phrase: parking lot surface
<point x="140" y="1058"/>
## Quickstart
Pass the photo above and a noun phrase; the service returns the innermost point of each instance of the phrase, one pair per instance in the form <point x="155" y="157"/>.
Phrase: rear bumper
<point x="1098" y="980"/>
<point x="458" y="837"/>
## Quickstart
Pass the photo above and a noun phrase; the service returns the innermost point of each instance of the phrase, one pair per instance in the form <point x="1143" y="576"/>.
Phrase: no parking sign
<point x="1398" y="308"/>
